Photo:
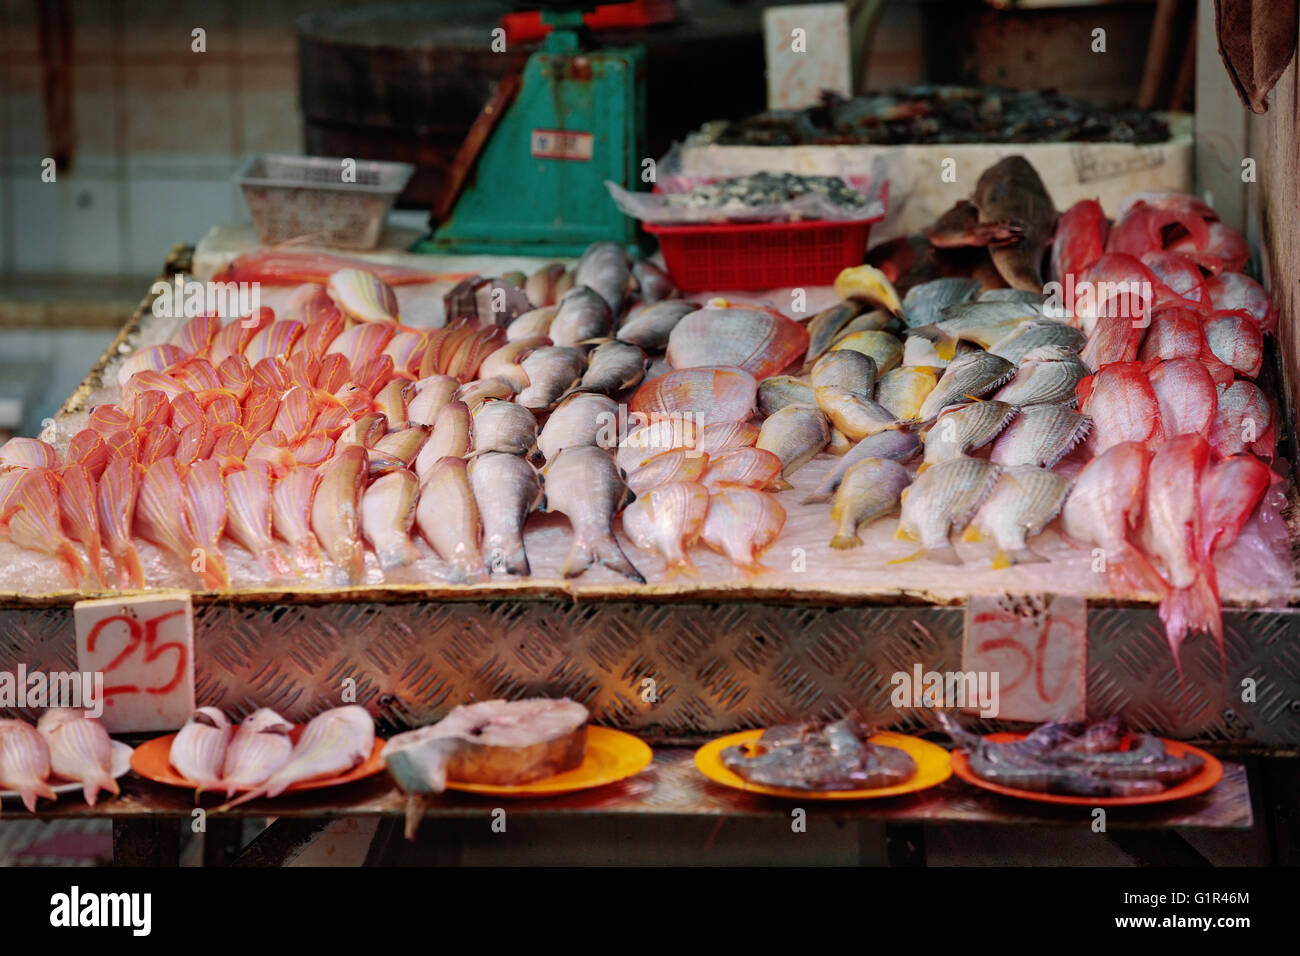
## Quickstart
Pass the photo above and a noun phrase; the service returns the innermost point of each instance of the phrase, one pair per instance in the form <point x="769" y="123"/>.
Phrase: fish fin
<point x="398" y="555"/>
<point x="910" y="557"/>
<point x="71" y="564"/>
<point x="843" y="542"/>
<point x="38" y="789"/>
<point x="603" y="551"/>
<point x="514" y="563"/>
<point x="1131" y="571"/>
<point x="130" y="572"/>
<point x="1001" y="560"/>
<point x="780" y="484"/>
<point x="902" y="534"/>
<point x="973" y="533"/>
<point x="945" y="348"/>
<point x="1191" y="610"/>
<point x="924" y="466"/>
<point x="817" y="497"/>
<point x="415" y="806"/>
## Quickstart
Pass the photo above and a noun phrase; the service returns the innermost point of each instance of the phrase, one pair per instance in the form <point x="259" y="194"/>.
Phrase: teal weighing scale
<point x="530" y="177"/>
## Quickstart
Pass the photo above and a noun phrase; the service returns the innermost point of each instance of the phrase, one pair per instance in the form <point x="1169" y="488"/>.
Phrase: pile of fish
<point x="943" y="114"/>
<point x="260" y="758"/>
<point x="1075" y="758"/>
<point x="819" y="756"/>
<point x="495" y="742"/>
<point x="1004" y="385"/>
<point x="65" y="744"/>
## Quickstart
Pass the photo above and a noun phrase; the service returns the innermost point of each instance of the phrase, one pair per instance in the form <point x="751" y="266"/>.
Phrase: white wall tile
<point x="89" y="223"/>
<point x="37" y="228"/>
<point x="165" y="212"/>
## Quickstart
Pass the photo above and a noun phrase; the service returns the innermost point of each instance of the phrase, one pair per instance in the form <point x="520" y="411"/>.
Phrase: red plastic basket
<point x="765" y="255"/>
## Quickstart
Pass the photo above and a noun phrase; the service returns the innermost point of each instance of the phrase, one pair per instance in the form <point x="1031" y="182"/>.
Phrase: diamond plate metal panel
<point x="715" y="667"/>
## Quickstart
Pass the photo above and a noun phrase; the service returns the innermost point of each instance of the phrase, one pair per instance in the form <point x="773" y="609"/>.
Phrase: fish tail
<point x="398" y="554"/>
<point x="1005" y="559"/>
<point x="215" y="575"/>
<point x="306" y="554"/>
<point x="511" y="562"/>
<point x="273" y="560"/>
<point x="37" y="788"/>
<point x="415" y="804"/>
<point x="843" y="542"/>
<point x="95" y="559"/>
<point x="73" y="568"/>
<point x="1131" y="571"/>
<point x="911" y="557"/>
<point x="604" y="550"/>
<point x="130" y="572"/>
<point x="779" y="484"/>
<point x="1191" y="610"/>
<point x="817" y="496"/>
<point x="91" y="787"/>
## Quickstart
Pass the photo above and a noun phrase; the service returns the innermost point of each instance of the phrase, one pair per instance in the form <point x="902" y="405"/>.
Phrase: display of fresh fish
<point x="1022" y="503"/>
<point x="925" y="302"/>
<point x="503" y="426"/>
<point x="1179" y="333"/>
<point x="1186" y="395"/>
<point x="259" y="747"/>
<point x="653" y="283"/>
<point x="903" y="390"/>
<point x="844" y="368"/>
<point x="205" y="514"/>
<point x="332" y="743"/>
<point x="869" y="489"/>
<point x="1048" y="375"/>
<point x="583" y="484"/>
<point x="649" y="326"/>
<point x="291" y="506"/>
<point x="941" y="502"/>
<point x="741" y="467"/>
<point x="604" y="267"/>
<point x="778" y="391"/>
<point x="794" y="434"/>
<point x="448" y="518"/>
<point x="1243" y="421"/>
<point x="506" y="489"/>
<point x="679" y="464"/>
<point x="1122" y="405"/>
<point x="336" y="512"/>
<point x="668" y="519"/>
<point x="551" y="372"/>
<point x="883" y="348"/>
<point x="1104" y="508"/>
<point x="387" y="514"/>
<point x="199" y="748"/>
<point x="1041" y="435"/>
<point x="852" y="416"/>
<point x="583" y="418"/>
<point x="742" y="524"/>
<point x="966" y="377"/>
<point x="118" y="490"/>
<point x="894" y="445"/>
<point x="820" y="757"/>
<point x="1230" y="492"/>
<point x="827" y="325"/>
<point x="639" y="445"/>
<point x="80" y="749"/>
<point x="24" y="762"/>
<point x="961" y="429"/>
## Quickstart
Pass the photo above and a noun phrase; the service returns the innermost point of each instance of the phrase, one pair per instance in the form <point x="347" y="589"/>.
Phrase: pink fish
<point x="298" y="409"/>
<point x="1179" y="274"/>
<point x="199" y="749"/>
<point x="1142" y="227"/>
<point x="77" y="492"/>
<point x="248" y="497"/>
<point x="154" y="358"/>
<point x="363" y="341"/>
<point x="196" y="374"/>
<point x="28" y="453"/>
<point x="1080" y="239"/>
<point x="259" y="748"/>
<point x="148" y="408"/>
<point x="406" y="349"/>
<point x="197" y="334"/>
<point x="160" y="511"/>
<point x="1122" y="405"/>
<point x="323" y="328"/>
<point x="205" y="511"/>
<point x="154" y="442"/>
<point x="274" y="341"/>
<point x="1225" y="249"/>
<point x="24" y="762"/>
<point x="1178" y="333"/>
<point x="1230" y="291"/>
<point x="80" y="749"/>
<point x="336" y="511"/>
<point x="1235" y="339"/>
<point x="335" y="371"/>
<point x="271" y="373"/>
<point x="1243" y="421"/>
<point x="236" y="376"/>
<point x="1105" y="507"/>
<point x="87" y="448"/>
<point x="331" y="743"/>
<point x="1230" y="493"/>
<point x="1115" y="337"/>
<point x="1186" y="395"/>
<point x="291" y="502"/>
<point x="31" y="515"/>
<point x="1171" y="534"/>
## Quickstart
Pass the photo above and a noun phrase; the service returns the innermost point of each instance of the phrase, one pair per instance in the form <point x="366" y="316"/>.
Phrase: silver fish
<point x="259" y="748"/>
<point x="966" y="377"/>
<point x="778" y="391"/>
<point x="870" y="489"/>
<point x="941" y="501"/>
<point x="894" y="445"/>
<point x="336" y="511"/>
<point x="581" y="419"/>
<point x="397" y="449"/>
<point x="614" y="367"/>
<point x="532" y="324"/>
<point x="964" y="428"/>
<point x="448" y="518"/>
<point x="854" y="371"/>
<point x="450" y="437"/>
<point x="1048" y="375"/>
<point x="503" y="426"/>
<point x="506" y="488"/>
<point x="794" y="434"/>
<point x="1038" y="333"/>
<point x="387" y="513"/>
<point x="648" y="326"/>
<point x="854" y="417"/>
<point x="924" y="303"/>
<point x="199" y="748"/>
<point x="653" y="283"/>
<point x="332" y="743"/>
<point x="80" y="749"/>
<point x="1021" y="504"/>
<point x="604" y="268"/>
<point x="583" y="315"/>
<point x="1012" y="295"/>
<point x="551" y="372"/>
<point x="885" y="349"/>
<point x="981" y="323"/>
<point x="540" y="286"/>
<point x="1041" y="435"/>
<point x="825" y="327"/>
<point x="584" y="485"/>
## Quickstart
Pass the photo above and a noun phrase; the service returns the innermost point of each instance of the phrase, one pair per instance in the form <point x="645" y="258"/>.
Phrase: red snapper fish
<point x="1122" y="405"/>
<point x="1080" y="239"/>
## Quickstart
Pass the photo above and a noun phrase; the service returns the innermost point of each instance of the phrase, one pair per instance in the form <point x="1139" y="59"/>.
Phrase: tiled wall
<point x="160" y="129"/>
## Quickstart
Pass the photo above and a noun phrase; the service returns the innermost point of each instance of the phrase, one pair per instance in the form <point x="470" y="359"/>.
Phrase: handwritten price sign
<point x="144" y="646"/>
<point x="1037" y="644"/>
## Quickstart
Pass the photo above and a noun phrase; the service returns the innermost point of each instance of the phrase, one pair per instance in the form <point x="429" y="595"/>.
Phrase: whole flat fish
<point x="199" y="748"/>
<point x="777" y="391"/>
<point x="584" y="485"/>
<point x="852" y="416"/>
<point x="870" y="489"/>
<point x="902" y="390"/>
<point x="614" y="367"/>
<point x="924" y="303"/>
<point x="653" y="283"/>
<point x="1022" y="502"/>
<point x="894" y="445"/>
<point x="583" y="315"/>
<point x="24" y="762"/>
<point x="503" y="426"/>
<point x="604" y="267"/>
<point x="387" y="514"/>
<point x="80" y="749"/>
<point x="1037" y="333"/>
<point x="745" y="467"/>
<point x="964" y="428"/>
<point x="742" y="524"/>
<point x="1048" y="375"/>
<point x="332" y="743"/>
<point x="941" y="501"/>
<point x="583" y="418"/>
<point x="885" y="350"/>
<point x="979" y="323"/>
<point x="336" y="511"/>
<point x="291" y="506"/>
<point x="648" y="326"/>
<point x="966" y="377"/>
<point x="826" y="326"/>
<point x="506" y="488"/>
<point x="794" y="434"/>
<point x="679" y="464"/>
<point x="1041" y="435"/>
<point x="260" y="746"/>
<point x="551" y="372"/>
<point x="844" y="368"/>
<point x="447" y="515"/>
<point x="668" y="519"/>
